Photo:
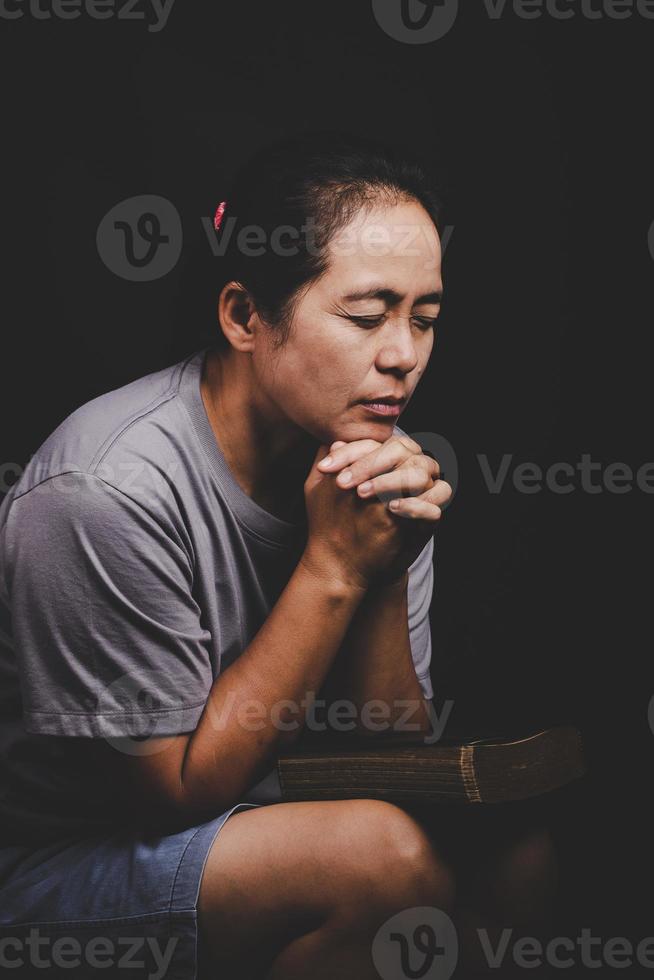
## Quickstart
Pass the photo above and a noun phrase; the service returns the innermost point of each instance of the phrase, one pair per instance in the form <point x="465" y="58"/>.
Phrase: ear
<point x="238" y="316"/>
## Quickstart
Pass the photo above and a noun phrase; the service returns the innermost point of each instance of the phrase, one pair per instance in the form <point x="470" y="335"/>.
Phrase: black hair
<point x="308" y="186"/>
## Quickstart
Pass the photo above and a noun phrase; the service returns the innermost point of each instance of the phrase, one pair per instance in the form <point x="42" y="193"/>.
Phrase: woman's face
<point x="365" y="330"/>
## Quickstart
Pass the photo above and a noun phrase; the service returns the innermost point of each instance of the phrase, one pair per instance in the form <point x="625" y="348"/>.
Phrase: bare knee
<point x="346" y="865"/>
<point x="402" y="862"/>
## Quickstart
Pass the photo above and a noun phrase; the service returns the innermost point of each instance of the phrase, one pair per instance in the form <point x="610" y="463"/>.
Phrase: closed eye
<point x="368" y="321"/>
<point x="424" y="322"/>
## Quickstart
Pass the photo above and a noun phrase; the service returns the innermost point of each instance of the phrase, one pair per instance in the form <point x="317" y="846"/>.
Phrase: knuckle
<point x="410" y="444"/>
<point x="413" y="469"/>
<point x="424" y="485"/>
<point x="434" y="465"/>
<point x="399" y="443"/>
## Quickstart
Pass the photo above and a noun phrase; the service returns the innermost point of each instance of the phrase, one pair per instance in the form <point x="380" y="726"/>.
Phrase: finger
<point x="415" y="508"/>
<point x="347" y="453"/>
<point x="410" y="443"/>
<point x="426" y="464"/>
<point x="431" y="465"/>
<point x="439" y="494"/>
<point x="393" y="459"/>
<point x="403" y="482"/>
<point x="443" y="492"/>
<point x="388" y="456"/>
<point x="321" y="454"/>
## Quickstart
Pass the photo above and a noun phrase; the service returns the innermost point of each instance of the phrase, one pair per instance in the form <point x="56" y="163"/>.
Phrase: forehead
<point x="397" y="243"/>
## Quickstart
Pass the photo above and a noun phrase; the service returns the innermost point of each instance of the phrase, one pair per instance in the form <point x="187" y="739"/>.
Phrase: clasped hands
<point x="396" y="471"/>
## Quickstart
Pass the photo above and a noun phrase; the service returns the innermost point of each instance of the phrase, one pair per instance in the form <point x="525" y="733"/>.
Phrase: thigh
<point x="279" y="871"/>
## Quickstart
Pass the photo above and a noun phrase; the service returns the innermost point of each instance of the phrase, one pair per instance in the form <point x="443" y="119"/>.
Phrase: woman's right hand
<point x="349" y="539"/>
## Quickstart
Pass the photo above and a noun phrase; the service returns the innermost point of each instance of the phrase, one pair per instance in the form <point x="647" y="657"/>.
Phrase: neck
<point x="268" y="454"/>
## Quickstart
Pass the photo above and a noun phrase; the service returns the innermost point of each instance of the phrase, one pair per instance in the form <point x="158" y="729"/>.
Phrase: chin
<point x="380" y="431"/>
<point x="348" y="429"/>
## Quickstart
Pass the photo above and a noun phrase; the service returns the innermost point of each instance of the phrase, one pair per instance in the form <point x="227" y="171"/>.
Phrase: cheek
<point x="328" y="366"/>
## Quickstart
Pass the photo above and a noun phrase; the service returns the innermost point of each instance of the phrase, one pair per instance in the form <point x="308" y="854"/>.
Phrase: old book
<point x="477" y="771"/>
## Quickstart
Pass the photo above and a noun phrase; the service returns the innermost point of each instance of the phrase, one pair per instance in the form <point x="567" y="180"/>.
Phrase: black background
<point x="541" y="604"/>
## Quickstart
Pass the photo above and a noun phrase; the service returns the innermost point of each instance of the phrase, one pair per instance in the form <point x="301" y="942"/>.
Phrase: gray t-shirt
<point x="133" y="569"/>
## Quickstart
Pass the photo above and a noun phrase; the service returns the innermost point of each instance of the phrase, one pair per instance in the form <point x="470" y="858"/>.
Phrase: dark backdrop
<point x="543" y="127"/>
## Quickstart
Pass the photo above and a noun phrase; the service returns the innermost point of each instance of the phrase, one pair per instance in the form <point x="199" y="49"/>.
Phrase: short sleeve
<point x="419" y="596"/>
<point x="107" y="633"/>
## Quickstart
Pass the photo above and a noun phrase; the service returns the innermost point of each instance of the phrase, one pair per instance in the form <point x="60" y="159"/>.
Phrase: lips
<point x="389" y="408"/>
<point x="385" y="400"/>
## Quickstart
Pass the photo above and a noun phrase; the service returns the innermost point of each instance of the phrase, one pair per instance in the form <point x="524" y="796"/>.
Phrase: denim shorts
<point x="117" y="906"/>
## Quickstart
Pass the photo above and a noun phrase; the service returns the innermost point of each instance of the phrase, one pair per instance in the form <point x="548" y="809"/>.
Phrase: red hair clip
<point x="218" y="217"/>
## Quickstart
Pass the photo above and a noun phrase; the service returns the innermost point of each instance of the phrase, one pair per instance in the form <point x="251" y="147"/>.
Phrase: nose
<point x="397" y="350"/>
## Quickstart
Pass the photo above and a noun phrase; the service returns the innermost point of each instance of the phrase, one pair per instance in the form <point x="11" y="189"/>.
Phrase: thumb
<point x="315" y="476"/>
<point x="322" y="452"/>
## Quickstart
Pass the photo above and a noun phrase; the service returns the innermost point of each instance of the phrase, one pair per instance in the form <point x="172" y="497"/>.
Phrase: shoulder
<point x="111" y="435"/>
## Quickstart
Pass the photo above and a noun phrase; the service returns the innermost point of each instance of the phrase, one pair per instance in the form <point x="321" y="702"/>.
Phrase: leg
<point x="298" y="890"/>
<point x="507" y="871"/>
<point x="513" y="889"/>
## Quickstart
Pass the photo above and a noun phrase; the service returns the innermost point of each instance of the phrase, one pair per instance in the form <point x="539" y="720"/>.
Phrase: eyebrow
<point x="390" y="296"/>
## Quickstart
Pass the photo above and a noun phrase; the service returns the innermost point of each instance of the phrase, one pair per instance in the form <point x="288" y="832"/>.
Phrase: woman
<point x="191" y="563"/>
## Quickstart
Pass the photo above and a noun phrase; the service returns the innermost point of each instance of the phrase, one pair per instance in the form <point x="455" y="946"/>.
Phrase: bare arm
<point x="375" y="664"/>
<point x="255" y="708"/>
